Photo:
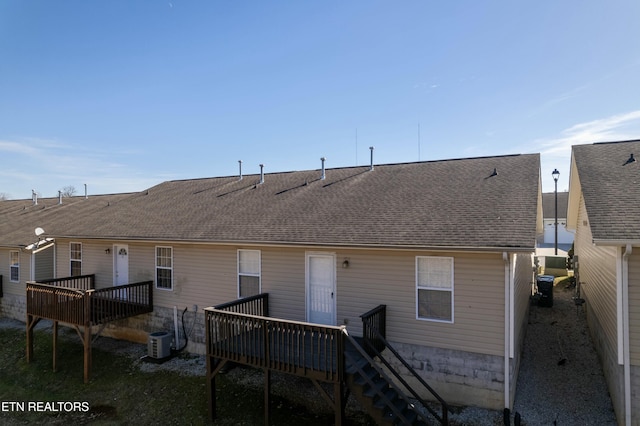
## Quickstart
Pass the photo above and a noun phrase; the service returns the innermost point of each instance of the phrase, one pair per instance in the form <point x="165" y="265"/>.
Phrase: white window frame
<point x="434" y="288"/>
<point x="250" y="274"/>
<point x="14" y="266"/>
<point x="164" y="267"/>
<point x="72" y="259"/>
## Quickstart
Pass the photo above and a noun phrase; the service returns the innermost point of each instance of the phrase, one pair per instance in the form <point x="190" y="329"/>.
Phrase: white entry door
<point x="121" y="266"/>
<point x="321" y="288"/>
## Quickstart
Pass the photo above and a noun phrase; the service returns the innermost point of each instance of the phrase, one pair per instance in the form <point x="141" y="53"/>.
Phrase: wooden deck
<point x="235" y="334"/>
<point x="75" y="301"/>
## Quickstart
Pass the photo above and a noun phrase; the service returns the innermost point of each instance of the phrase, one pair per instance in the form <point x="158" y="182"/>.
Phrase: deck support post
<point x="211" y="386"/>
<point x="267" y="395"/>
<point x="87" y="352"/>
<point x="31" y="323"/>
<point x="55" y="345"/>
<point x="339" y="402"/>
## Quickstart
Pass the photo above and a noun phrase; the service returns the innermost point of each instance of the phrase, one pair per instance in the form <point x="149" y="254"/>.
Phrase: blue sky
<point x="122" y="95"/>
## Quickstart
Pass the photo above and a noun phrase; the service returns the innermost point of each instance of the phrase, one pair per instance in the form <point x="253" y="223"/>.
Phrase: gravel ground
<point x="560" y="380"/>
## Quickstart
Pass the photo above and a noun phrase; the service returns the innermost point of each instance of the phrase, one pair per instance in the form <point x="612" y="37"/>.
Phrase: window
<point x="248" y="272"/>
<point x="76" y="259"/>
<point x="434" y="288"/>
<point x="164" y="268"/>
<point x="15" y="266"/>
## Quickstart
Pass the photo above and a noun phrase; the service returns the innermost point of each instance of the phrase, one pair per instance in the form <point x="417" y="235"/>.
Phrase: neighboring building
<point x="554" y="262"/>
<point x="446" y="245"/>
<point x="604" y="211"/>
<point x="565" y="238"/>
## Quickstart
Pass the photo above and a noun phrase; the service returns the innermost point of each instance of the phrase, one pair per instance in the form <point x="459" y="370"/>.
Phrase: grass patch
<point x="120" y="393"/>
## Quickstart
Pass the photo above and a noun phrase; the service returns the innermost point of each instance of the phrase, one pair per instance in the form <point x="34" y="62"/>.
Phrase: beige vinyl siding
<point x="523" y="277"/>
<point x="94" y="261"/>
<point x="206" y="275"/>
<point x="597" y="273"/>
<point x="44" y="264"/>
<point x="388" y="277"/>
<point x="10" y="287"/>
<point x="634" y="306"/>
<point x="283" y="277"/>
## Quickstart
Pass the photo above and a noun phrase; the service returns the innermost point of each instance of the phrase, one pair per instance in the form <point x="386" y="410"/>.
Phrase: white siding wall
<point x="598" y="277"/>
<point x="634" y="306"/>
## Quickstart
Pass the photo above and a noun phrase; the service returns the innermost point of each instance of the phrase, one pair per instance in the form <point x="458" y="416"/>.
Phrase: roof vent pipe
<point x="240" y="167"/>
<point x="323" y="175"/>
<point x="85" y="192"/>
<point x="59" y="197"/>
<point x="371" y="167"/>
<point x="261" y="173"/>
<point x="34" y="197"/>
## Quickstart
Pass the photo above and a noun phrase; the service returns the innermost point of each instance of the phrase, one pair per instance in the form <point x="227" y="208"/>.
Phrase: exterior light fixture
<point x="107" y="251"/>
<point x="345" y="264"/>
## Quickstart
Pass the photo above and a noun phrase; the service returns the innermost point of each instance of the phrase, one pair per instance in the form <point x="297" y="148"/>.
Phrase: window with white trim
<point x="75" y="257"/>
<point x="434" y="288"/>
<point x="248" y="273"/>
<point x="164" y="268"/>
<point x="14" y="263"/>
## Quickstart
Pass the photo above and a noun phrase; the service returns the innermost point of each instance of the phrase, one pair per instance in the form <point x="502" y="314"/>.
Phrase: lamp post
<point x="556" y="175"/>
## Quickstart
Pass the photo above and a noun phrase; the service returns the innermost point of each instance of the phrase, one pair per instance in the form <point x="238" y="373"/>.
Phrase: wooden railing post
<point x="87" y="335"/>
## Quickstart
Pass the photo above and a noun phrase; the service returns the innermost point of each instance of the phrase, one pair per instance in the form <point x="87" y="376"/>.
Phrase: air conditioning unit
<point x="159" y="345"/>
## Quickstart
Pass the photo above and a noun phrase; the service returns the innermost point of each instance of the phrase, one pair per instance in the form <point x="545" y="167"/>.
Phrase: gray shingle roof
<point x="451" y="203"/>
<point x="611" y="189"/>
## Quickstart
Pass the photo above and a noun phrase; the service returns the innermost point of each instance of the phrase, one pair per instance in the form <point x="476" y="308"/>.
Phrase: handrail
<point x="382" y="395"/>
<point x="374" y="345"/>
<point x="0" y="285"/>
<point x="378" y="317"/>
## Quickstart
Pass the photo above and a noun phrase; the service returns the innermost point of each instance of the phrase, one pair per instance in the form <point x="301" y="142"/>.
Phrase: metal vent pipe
<point x="323" y="175"/>
<point x="371" y="167"/>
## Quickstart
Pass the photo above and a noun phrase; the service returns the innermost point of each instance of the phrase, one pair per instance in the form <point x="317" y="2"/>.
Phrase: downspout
<point x="507" y="331"/>
<point x="625" y="334"/>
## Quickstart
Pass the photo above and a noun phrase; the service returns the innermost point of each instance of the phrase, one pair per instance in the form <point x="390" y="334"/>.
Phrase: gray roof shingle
<point x="610" y="188"/>
<point x="451" y="203"/>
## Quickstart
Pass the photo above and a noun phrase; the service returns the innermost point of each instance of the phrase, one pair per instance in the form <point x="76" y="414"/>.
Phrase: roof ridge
<point x="364" y="166"/>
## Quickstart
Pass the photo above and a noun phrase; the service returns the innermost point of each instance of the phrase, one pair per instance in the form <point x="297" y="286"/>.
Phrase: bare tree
<point x="4" y="196"/>
<point x="68" y="191"/>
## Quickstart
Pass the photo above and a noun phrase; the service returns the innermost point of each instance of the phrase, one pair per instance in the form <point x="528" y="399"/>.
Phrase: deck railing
<point x="374" y="326"/>
<point x="79" y="306"/>
<point x="79" y="282"/>
<point x="252" y="305"/>
<point x="113" y="303"/>
<point x="375" y="342"/>
<point x="57" y="303"/>
<point x="299" y="348"/>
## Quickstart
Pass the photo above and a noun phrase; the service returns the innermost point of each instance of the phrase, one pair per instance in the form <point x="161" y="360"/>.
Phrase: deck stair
<point x="380" y="395"/>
